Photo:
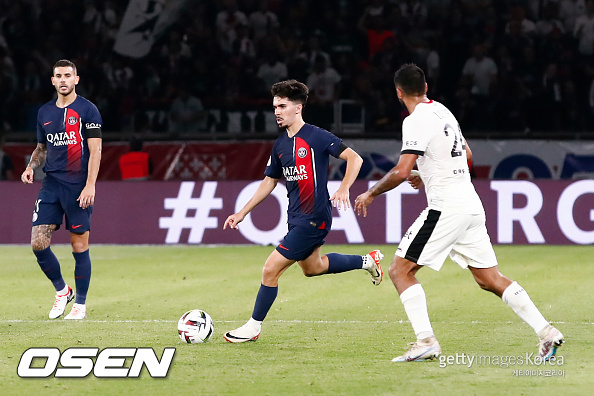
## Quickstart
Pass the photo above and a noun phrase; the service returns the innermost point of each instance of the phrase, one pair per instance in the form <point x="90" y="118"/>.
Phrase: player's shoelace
<point x="57" y="302"/>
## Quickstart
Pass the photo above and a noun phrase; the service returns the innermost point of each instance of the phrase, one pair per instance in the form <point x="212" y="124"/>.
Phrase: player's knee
<point x="37" y="245"/>
<point x="397" y="270"/>
<point x="488" y="284"/>
<point x="78" y="246"/>
<point x="483" y="285"/>
<point x="493" y="281"/>
<point x="269" y="273"/>
<point x="309" y="272"/>
<point x="393" y="271"/>
<point x="41" y="237"/>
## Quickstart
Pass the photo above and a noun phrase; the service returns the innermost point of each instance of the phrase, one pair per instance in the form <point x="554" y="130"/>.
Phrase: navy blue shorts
<point x="58" y="199"/>
<point x="301" y="241"/>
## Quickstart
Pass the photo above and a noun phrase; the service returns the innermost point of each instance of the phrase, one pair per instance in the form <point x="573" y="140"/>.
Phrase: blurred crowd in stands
<point x="513" y="66"/>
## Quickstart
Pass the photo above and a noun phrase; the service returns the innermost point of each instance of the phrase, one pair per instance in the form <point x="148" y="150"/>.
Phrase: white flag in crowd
<point x="143" y="23"/>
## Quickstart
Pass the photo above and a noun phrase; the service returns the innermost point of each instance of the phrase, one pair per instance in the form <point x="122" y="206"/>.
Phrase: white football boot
<point x="421" y="350"/>
<point x="242" y="334"/>
<point x="550" y="339"/>
<point x="60" y="304"/>
<point x="371" y="262"/>
<point x="79" y="311"/>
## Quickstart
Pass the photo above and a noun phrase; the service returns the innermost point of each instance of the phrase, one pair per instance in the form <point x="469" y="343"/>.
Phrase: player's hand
<point x="28" y="176"/>
<point x="87" y="197"/>
<point x="233" y="221"/>
<point x="362" y="202"/>
<point x="341" y="198"/>
<point x="415" y="182"/>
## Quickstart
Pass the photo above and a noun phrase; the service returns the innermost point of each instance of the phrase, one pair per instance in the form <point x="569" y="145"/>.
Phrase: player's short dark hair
<point x="64" y="63"/>
<point x="410" y="79"/>
<point x="293" y="90"/>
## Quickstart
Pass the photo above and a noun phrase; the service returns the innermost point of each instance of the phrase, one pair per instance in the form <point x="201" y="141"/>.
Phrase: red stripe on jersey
<point x="307" y="188"/>
<point x="72" y="123"/>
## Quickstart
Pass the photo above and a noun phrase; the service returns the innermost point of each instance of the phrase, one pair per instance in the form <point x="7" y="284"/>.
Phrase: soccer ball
<point x="195" y="327"/>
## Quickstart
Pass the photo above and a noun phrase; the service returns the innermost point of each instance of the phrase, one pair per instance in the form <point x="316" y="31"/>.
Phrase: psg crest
<point x="71" y="120"/>
<point x="302" y="152"/>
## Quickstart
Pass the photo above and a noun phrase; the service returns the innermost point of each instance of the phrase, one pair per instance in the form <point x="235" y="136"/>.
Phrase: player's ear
<point x="76" y="79"/>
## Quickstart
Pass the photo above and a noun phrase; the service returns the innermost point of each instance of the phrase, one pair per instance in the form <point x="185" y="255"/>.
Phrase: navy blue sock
<point x="343" y="262"/>
<point x="264" y="300"/>
<point x="50" y="265"/>
<point x="82" y="275"/>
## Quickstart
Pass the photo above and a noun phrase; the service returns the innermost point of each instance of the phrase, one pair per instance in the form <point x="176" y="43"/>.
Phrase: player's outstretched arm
<point x="87" y="195"/>
<point x="391" y="180"/>
<point x="342" y="196"/>
<point x="264" y="190"/>
<point x="37" y="158"/>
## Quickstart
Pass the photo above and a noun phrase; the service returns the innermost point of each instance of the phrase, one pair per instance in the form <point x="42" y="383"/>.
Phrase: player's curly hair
<point x="65" y="63"/>
<point x="293" y="90"/>
<point x="410" y="79"/>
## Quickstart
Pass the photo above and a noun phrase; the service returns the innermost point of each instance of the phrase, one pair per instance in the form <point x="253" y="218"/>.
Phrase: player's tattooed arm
<point x="41" y="236"/>
<point x="37" y="159"/>
<point x="38" y="156"/>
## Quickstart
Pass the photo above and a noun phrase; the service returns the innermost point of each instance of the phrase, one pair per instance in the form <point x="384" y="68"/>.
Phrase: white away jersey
<point x="432" y="132"/>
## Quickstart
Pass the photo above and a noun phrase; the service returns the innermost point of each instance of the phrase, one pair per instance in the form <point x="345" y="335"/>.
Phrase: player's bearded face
<point x="64" y="80"/>
<point x="285" y="111"/>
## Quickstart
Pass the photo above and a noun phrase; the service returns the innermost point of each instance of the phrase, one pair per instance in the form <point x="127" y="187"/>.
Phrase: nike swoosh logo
<point x="282" y="247"/>
<point x="75" y="227"/>
<point x="410" y="359"/>
<point x="46" y="123"/>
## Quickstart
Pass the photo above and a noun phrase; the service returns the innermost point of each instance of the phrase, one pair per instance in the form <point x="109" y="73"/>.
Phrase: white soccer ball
<point x="195" y="327"/>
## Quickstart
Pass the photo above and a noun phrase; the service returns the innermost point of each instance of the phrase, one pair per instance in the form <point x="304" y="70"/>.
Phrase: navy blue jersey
<point x="303" y="161"/>
<point x="64" y="132"/>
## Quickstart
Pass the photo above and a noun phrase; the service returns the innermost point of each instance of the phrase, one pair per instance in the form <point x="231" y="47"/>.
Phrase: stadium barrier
<point x="234" y="160"/>
<point x="518" y="212"/>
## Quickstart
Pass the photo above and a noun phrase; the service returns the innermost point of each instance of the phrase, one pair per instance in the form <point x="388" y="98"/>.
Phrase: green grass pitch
<point x="333" y="334"/>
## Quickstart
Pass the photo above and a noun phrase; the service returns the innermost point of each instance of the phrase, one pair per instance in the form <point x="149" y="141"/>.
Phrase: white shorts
<point x="436" y="234"/>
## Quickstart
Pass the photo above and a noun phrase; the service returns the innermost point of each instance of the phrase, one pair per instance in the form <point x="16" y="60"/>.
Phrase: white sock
<point x="254" y="324"/>
<point x="415" y="305"/>
<point x="366" y="262"/>
<point x="63" y="291"/>
<point x="519" y="300"/>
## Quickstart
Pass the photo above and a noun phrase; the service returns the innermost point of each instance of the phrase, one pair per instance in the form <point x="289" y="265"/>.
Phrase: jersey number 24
<point x="457" y="133"/>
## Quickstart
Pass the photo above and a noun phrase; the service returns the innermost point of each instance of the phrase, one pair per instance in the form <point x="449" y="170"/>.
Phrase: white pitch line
<point x="280" y="321"/>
